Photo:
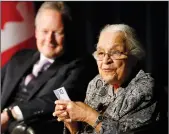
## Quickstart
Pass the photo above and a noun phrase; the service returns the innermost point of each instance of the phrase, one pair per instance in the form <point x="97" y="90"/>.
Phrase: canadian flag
<point x="17" y="28"/>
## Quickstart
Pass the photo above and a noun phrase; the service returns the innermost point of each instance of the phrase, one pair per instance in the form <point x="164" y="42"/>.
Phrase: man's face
<point x="112" y="70"/>
<point x="50" y="33"/>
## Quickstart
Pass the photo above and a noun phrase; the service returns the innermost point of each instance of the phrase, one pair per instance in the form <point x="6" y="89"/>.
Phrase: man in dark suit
<point x="27" y="94"/>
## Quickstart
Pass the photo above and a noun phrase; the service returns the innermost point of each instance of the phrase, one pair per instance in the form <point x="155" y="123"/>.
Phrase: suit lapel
<point x="17" y="75"/>
<point x="36" y="84"/>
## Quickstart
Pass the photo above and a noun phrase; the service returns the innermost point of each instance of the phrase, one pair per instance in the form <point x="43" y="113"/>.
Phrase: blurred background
<point x="149" y="18"/>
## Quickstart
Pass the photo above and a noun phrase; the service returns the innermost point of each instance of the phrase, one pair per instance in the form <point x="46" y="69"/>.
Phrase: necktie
<point x="37" y="69"/>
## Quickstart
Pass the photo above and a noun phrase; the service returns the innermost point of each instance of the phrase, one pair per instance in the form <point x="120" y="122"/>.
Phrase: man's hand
<point x="4" y="120"/>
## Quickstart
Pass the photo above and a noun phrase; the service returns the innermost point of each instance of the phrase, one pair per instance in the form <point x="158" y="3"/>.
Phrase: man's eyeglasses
<point x="114" y="54"/>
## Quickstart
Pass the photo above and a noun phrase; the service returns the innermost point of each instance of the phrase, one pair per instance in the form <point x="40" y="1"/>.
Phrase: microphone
<point x="101" y="108"/>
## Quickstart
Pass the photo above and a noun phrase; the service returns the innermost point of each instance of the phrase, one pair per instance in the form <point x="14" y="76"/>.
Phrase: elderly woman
<point x="120" y="98"/>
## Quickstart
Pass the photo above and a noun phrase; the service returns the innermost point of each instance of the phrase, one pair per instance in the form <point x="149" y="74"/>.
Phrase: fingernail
<point x="54" y="114"/>
<point x="58" y="119"/>
<point x="64" y="114"/>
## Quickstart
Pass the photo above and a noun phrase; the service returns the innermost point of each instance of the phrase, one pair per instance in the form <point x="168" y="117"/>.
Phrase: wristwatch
<point x="8" y="110"/>
<point x="99" y="119"/>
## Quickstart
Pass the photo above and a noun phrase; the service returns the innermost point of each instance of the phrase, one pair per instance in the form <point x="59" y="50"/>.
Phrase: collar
<point x="42" y="57"/>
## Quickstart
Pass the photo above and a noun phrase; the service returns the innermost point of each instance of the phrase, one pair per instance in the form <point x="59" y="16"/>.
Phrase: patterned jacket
<point x="129" y="108"/>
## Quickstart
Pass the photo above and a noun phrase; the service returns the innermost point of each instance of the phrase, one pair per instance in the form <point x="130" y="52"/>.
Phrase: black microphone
<point x="101" y="108"/>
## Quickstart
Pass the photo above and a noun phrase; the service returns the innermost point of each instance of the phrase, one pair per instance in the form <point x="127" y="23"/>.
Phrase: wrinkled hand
<point x="4" y="121"/>
<point x="60" y="112"/>
<point x="77" y="111"/>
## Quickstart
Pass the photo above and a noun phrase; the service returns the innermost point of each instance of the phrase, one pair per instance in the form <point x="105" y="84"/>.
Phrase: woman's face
<point x="113" y="66"/>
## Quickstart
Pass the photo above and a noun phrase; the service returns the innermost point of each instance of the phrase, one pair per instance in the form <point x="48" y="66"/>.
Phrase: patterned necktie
<point x="37" y="69"/>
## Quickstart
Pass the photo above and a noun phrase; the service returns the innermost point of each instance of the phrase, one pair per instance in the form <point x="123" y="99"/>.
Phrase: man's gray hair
<point x="133" y="45"/>
<point x="59" y="6"/>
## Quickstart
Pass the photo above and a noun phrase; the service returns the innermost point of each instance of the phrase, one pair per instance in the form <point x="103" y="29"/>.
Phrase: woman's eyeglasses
<point x="114" y="54"/>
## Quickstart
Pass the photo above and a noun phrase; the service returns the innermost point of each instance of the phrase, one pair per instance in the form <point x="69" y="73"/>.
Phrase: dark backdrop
<point x="150" y="19"/>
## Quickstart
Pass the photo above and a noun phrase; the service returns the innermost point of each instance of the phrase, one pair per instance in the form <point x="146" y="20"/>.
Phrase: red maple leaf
<point x="9" y="13"/>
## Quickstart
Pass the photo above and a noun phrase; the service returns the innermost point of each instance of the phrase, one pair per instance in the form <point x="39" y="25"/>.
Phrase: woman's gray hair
<point x="133" y="45"/>
<point x="59" y="6"/>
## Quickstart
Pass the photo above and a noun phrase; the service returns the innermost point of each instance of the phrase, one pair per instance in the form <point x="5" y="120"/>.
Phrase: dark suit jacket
<point x="74" y="75"/>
